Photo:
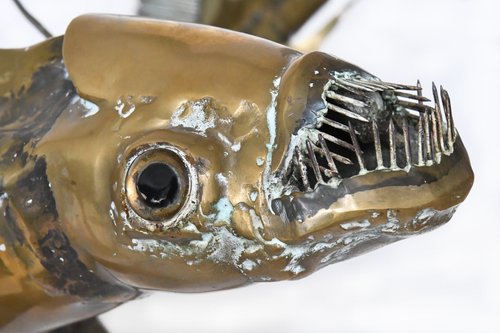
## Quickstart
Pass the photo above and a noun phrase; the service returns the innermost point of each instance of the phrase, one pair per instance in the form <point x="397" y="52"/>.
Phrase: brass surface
<point x="221" y="108"/>
<point x="274" y="20"/>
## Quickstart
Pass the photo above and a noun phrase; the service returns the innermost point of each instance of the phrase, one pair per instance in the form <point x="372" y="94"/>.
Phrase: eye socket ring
<point x="159" y="187"/>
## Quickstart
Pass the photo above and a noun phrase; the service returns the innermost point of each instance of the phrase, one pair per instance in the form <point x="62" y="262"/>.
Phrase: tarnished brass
<point x="281" y="163"/>
<point x="276" y="20"/>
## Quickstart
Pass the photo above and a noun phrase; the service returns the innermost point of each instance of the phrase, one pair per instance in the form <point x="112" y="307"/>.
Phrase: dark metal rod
<point x="33" y="20"/>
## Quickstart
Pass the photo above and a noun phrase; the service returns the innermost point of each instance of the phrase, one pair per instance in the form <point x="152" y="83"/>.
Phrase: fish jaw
<point x="360" y="158"/>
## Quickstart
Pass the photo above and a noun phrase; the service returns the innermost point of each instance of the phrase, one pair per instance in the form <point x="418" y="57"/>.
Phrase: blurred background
<point x="444" y="281"/>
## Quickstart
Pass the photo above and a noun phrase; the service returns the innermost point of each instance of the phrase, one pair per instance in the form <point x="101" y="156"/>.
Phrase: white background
<point x="444" y="281"/>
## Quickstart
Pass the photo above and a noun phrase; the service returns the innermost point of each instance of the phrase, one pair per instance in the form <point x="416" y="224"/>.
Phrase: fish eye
<point x="158" y="185"/>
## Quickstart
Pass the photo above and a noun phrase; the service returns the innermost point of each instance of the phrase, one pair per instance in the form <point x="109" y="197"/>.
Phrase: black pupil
<point x="158" y="185"/>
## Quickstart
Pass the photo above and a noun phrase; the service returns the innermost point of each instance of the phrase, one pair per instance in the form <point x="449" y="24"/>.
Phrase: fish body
<point x="140" y="154"/>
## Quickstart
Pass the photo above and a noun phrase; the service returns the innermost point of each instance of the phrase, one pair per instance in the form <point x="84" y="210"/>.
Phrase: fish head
<point x="196" y="158"/>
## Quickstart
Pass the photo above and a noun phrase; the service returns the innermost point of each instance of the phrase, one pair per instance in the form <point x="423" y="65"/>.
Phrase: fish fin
<point x="273" y="20"/>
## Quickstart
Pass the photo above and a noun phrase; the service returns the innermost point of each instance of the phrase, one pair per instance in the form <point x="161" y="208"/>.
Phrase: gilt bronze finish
<point x="140" y="154"/>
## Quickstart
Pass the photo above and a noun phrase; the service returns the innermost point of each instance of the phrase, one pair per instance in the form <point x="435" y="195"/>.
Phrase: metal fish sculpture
<point x="140" y="154"/>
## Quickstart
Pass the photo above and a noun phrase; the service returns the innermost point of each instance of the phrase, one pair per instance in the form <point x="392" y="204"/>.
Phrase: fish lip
<point x="454" y="172"/>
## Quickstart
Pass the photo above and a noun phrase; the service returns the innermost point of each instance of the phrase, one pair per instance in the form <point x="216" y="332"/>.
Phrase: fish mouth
<point x="355" y="133"/>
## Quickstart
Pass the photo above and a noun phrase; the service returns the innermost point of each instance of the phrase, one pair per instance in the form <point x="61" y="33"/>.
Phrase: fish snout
<point x="352" y="148"/>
